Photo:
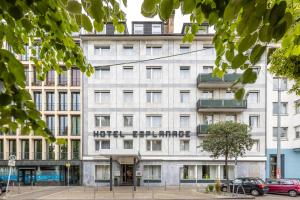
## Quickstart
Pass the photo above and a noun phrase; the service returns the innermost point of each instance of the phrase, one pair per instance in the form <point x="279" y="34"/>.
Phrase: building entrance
<point x="27" y="176"/>
<point x="127" y="174"/>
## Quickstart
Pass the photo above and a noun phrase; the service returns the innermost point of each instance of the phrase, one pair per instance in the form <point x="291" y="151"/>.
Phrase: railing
<point x="24" y="156"/>
<point x="38" y="155"/>
<point x="63" y="82"/>
<point x="75" y="155"/>
<point x="38" y="106"/>
<point x="221" y="103"/>
<point x="63" y="106"/>
<point x="51" y="156"/>
<point x="36" y="83"/>
<point x="49" y="82"/>
<point x="209" y="78"/>
<point x="50" y="106"/>
<point x="75" y="132"/>
<point x="202" y="129"/>
<point x="75" y="81"/>
<point x="1" y="156"/>
<point x="63" y="155"/>
<point x="63" y="132"/>
<point x="75" y="106"/>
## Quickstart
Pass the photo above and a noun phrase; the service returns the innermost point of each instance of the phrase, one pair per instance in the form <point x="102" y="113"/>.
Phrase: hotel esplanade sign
<point x="154" y="134"/>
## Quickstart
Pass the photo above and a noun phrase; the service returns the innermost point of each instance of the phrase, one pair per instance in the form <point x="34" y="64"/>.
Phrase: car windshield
<point x="237" y="181"/>
<point x="259" y="181"/>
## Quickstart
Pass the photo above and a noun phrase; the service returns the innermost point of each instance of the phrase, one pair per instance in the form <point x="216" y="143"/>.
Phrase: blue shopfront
<point x="42" y="173"/>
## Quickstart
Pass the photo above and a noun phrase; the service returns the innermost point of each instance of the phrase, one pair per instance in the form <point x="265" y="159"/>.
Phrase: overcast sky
<point x="133" y="13"/>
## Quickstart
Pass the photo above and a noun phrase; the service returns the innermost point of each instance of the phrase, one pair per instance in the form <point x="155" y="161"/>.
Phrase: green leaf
<point x="265" y="33"/>
<point x="96" y="10"/>
<point x="238" y="60"/>
<point x="166" y="9"/>
<point x="279" y="30"/>
<point x="256" y="53"/>
<point x="16" y="12"/>
<point x="124" y="2"/>
<point x="74" y="7"/>
<point x="277" y="12"/>
<point x="120" y="28"/>
<point x="187" y="6"/>
<point x="148" y="6"/>
<point x="27" y="24"/>
<point x="232" y="10"/>
<point x="239" y="94"/>
<point x="5" y="99"/>
<point x="248" y="76"/>
<point x="247" y="42"/>
<point x="86" y="23"/>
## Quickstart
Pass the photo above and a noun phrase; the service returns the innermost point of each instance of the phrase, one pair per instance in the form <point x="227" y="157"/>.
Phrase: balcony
<point x="221" y="105"/>
<point x="202" y="129"/>
<point x="209" y="81"/>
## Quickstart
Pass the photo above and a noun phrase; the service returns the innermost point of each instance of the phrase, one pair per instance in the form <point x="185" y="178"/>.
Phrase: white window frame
<point x="99" y="50"/>
<point x="128" y="101"/>
<point x="182" y="123"/>
<point x="138" y="29"/>
<point x="126" y="50"/>
<point x="127" y="140"/>
<point x="150" y="142"/>
<point x="151" y="52"/>
<point x="249" y="100"/>
<point x="127" y="115"/>
<point x="184" y="92"/>
<point x="258" y="121"/>
<point x="156" y="28"/>
<point x="149" y="118"/>
<point x="183" y="142"/>
<point x="184" y="72"/>
<point x="151" y="94"/>
<point x="100" y="121"/>
<point x="151" y="70"/>
<point x="184" y="48"/>
<point x="99" y="74"/>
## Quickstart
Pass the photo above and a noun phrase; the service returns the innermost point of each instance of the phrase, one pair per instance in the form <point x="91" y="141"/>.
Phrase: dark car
<point x="247" y="185"/>
<point x="2" y="186"/>
<point x="287" y="186"/>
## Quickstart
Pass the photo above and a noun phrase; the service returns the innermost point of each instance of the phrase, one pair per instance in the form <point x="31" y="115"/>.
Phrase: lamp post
<point x="68" y="165"/>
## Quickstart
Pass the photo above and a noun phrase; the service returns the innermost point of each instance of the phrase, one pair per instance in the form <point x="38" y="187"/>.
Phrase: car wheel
<point x="254" y="192"/>
<point x="224" y="189"/>
<point x="292" y="193"/>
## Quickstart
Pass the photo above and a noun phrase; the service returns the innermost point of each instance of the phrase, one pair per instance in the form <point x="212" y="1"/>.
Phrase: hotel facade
<point x="144" y="118"/>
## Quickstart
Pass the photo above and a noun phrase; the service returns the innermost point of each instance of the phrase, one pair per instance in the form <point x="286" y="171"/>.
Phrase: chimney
<point x="169" y="25"/>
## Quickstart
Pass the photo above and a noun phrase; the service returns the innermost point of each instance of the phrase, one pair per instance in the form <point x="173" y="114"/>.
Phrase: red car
<point x="288" y="186"/>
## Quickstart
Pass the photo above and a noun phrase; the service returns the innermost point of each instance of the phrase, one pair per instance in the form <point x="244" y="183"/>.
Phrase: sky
<point x="133" y="13"/>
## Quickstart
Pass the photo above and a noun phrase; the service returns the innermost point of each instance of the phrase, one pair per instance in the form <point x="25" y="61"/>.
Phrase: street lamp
<point x="68" y="165"/>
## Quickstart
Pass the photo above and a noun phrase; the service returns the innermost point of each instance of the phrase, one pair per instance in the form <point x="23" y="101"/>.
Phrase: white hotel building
<point x="143" y="121"/>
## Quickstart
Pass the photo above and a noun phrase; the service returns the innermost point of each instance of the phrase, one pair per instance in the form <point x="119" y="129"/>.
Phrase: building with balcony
<point x="39" y="162"/>
<point x="289" y="128"/>
<point x="144" y="119"/>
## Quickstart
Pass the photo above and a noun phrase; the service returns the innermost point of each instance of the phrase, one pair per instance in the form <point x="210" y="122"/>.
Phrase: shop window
<point x="102" y="172"/>
<point x="188" y="172"/>
<point x="152" y="172"/>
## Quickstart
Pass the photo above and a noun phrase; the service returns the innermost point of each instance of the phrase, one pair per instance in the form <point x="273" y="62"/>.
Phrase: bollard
<point x="31" y="185"/>
<point x="19" y="189"/>
<point x="165" y="185"/>
<point x="148" y="185"/>
<point x="13" y="186"/>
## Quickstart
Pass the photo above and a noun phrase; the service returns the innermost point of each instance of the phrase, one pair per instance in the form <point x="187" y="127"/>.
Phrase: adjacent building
<point x="144" y="118"/>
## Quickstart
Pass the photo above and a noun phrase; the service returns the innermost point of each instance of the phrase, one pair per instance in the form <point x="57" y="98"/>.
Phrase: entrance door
<point x="26" y="176"/>
<point x="127" y="174"/>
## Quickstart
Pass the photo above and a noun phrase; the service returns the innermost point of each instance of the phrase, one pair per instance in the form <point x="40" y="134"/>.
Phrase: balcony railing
<point x="38" y="155"/>
<point x="75" y="155"/>
<point x="49" y="82"/>
<point x="63" y="106"/>
<point x="75" y="81"/>
<point x="51" y="155"/>
<point x="202" y="129"/>
<point x="75" y="106"/>
<point x="210" y="79"/>
<point x="221" y="103"/>
<point x="63" y="82"/>
<point x="1" y="156"/>
<point x="50" y="106"/>
<point x="63" y="155"/>
<point x="36" y="83"/>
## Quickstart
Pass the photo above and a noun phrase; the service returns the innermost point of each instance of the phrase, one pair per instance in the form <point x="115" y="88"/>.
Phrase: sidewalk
<point x="124" y="193"/>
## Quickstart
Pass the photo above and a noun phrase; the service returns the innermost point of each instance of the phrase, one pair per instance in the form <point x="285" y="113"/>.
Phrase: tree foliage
<point x="243" y="29"/>
<point x="227" y="139"/>
<point x="48" y="24"/>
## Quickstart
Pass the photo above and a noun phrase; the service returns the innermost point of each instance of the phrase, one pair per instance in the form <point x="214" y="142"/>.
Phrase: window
<point x="75" y="125"/>
<point x="184" y="48"/>
<point x="102" y="172"/>
<point x="188" y="172"/>
<point x="207" y="94"/>
<point x="153" y="121"/>
<point x="25" y="149"/>
<point x="75" y="99"/>
<point x="202" y="30"/>
<point x="128" y="96"/>
<point x="102" y="121"/>
<point x="184" y="121"/>
<point x="75" y="77"/>
<point x="38" y="100"/>
<point x="63" y="78"/>
<point x="153" y="145"/>
<point x="153" y="96"/>
<point x="230" y="118"/>
<point x="102" y="97"/>
<point x="50" y="101"/>
<point x="229" y="95"/>
<point x="184" y="145"/>
<point x="208" y="119"/>
<point x="63" y="125"/>
<point x="38" y="149"/>
<point x="102" y="50"/>
<point x="128" y="144"/>
<point x="184" y="96"/>
<point x="254" y="121"/>
<point x="102" y="144"/>
<point x="50" y="121"/>
<point x="205" y="171"/>
<point x="12" y="147"/>
<point x="128" y="120"/>
<point x="154" y="73"/>
<point x="63" y="101"/>
<point x="138" y="29"/>
<point x="283" y="108"/>
<point x="50" y="78"/>
<point x="128" y="50"/>
<point x="128" y="72"/>
<point x="36" y="81"/>
<point x="152" y="172"/>
<point x="102" y="72"/>
<point x="253" y="97"/>
<point x="297" y="132"/>
<point x="153" y="50"/>
<point x="283" y="84"/>
<point x="297" y="106"/>
<point x="255" y="147"/>
<point x="208" y="69"/>
<point x="156" y="28"/>
<point x="184" y="72"/>
<point x="283" y="132"/>
<point x="75" y="149"/>
<point x="26" y="75"/>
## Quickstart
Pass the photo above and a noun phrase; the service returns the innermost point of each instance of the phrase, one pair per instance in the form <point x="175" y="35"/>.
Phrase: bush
<point x="218" y="186"/>
<point x="211" y="188"/>
<point x="206" y="189"/>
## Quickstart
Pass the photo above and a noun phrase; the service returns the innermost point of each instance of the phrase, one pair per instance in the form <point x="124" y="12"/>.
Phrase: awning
<point x="124" y="157"/>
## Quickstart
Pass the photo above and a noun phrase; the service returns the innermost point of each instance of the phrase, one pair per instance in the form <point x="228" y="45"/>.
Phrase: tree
<point x="244" y="28"/>
<point x="48" y="24"/>
<point x="228" y="139"/>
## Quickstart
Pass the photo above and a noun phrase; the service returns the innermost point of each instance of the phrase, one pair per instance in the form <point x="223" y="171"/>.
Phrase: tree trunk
<point x="226" y="171"/>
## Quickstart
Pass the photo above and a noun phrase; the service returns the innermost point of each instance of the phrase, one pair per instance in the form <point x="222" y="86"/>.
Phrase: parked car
<point x="287" y="186"/>
<point x="2" y="186"/>
<point x="249" y="185"/>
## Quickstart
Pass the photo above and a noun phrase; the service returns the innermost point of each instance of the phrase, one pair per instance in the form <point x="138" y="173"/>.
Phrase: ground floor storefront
<point x="141" y="172"/>
<point x="290" y="159"/>
<point x="42" y="172"/>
